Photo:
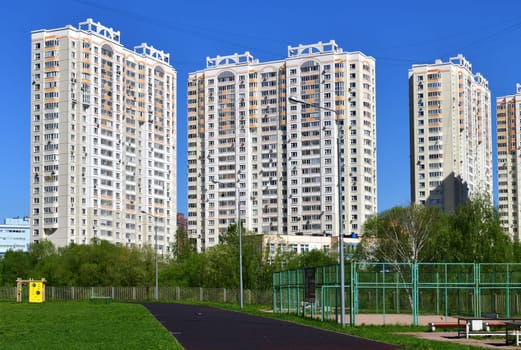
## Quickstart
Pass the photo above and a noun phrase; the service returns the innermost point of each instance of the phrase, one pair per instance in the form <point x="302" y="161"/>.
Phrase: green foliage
<point x="475" y="234"/>
<point x="291" y="260"/>
<point x="218" y="266"/>
<point x="182" y="247"/>
<point x="401" y="234"/>
<point x="516" y="251"/>
<point x="104" y="264"/>
<point x="15" y="264"/>
<point x="316" y="258"/>
<point x="188" y="272"/>
<point x="98" y="264"/>
<point x="417" y="233"/>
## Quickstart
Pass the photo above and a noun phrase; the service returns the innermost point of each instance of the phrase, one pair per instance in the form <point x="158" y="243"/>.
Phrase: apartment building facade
<point x="103" y="139"/>
<point x="14" y="235"/>
<point x="450" y="133"/>
<point x="252" y="152"/>
<point x="508" y="117"/>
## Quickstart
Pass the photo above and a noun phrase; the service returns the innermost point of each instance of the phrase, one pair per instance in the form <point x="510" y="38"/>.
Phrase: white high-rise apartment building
<point x="103" y="137"/>
<point x="508" y="119"/>
<point x="245" y="136"/>
<point x="450" y="126"/>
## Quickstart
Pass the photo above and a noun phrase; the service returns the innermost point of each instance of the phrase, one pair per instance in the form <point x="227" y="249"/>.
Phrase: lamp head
<point x="295" y="100"/>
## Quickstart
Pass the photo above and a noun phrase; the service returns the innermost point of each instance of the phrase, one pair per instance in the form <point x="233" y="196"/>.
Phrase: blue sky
<point x="397" y="33"/>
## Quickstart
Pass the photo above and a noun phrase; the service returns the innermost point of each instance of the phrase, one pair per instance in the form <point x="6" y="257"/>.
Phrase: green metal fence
<point x="444" y="289"/>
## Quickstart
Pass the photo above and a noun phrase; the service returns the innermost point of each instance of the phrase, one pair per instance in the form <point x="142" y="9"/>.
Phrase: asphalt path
<point x="203" y="328"/>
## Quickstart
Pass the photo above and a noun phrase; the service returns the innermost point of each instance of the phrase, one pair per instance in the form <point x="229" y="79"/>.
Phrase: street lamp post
<point x="296" y="100"/>
<point x="156" y="287"/>
<point x="239" y="230"/>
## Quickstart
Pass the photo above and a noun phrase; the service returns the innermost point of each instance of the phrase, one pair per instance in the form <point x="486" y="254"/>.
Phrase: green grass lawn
<point x="81" y="325"/>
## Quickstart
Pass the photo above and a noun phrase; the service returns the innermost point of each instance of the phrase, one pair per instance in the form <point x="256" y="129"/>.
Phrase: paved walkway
<point x="202" y="327"/>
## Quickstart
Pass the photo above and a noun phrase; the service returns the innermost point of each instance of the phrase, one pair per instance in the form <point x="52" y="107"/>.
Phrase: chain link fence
<point x="417" y="290"/>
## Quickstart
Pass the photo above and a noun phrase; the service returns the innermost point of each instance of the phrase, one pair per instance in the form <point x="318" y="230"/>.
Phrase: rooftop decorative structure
<point x="313" y="49"/>
<point x="90" y="26"/>
<point x="149" y="50"/>
<point x="234" y="59"/>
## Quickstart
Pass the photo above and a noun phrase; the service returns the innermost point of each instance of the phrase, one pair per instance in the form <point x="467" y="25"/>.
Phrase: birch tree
<point x="401" y="234"/>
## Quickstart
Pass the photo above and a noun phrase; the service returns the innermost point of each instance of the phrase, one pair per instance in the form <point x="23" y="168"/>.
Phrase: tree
<point x="223" y="260"/>
<point x="316" y="257"/>
<point x="41" y="251"/>
<point x="475" y="235"/>
<point x="516" y="251"/>
<point x="401" y="234"/>
<point x="43" y="256"/>
<point x="15" y="264"/>
<point x="132" y="267"/>
<point x="182" y="247"/>
<point x="218" y="266"/>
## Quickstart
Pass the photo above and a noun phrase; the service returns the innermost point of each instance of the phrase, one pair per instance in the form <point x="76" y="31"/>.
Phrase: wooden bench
<point x="493" y="323"/>
<point x="434" y="325"/>
<point x="489" y="320"/>
<point x="464" y="326"/>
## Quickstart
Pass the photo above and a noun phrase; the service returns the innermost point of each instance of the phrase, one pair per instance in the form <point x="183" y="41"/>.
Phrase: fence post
<point x="477" y="306"/>
<point x="200" y="294"/>
<point x="415" y="294"/>
<point x="289" y="290"/>
<point x="352" y="294"/>
<point x="224" y="295"/>
<point x="507" y="292"/>
<point x="446" y="294"/>
<point x="274" y="300"/>
<point x="383" y="291"/>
